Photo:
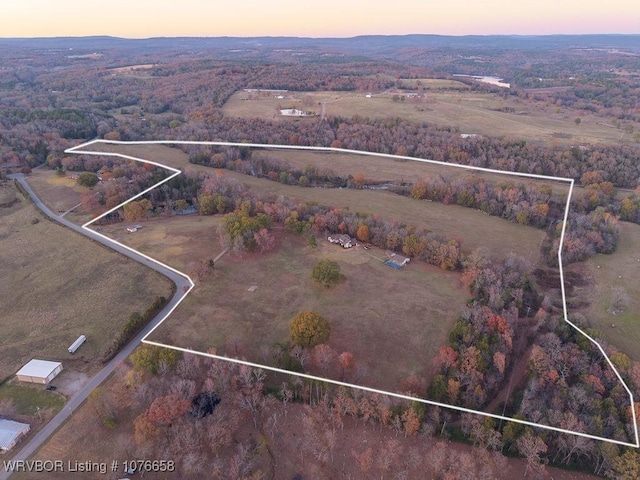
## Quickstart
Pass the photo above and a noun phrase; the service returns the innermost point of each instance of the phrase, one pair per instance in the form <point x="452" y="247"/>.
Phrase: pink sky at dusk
<point x="326" y="18"/>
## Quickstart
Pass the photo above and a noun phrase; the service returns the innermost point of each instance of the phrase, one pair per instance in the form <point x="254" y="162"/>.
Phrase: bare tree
<point x="531" y="447"/>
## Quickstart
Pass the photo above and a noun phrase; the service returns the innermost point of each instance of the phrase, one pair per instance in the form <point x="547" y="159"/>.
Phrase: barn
<point x="11" y="432"/>
<point x="39" y="371"/>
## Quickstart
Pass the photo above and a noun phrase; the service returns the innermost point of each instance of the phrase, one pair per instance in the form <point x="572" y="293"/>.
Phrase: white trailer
<point x="75" y="345"/>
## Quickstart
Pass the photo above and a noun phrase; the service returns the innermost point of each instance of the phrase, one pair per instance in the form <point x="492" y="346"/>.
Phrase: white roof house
<point x="39" y="371"/>
<point x="11" y="432"/>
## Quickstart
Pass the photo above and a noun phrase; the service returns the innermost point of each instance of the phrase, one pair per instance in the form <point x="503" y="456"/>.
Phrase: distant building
<point x="294" y="112"/>
<point x="39" y="371"/>
<point x="11" y="432"/>
<point x="345" y="241"/>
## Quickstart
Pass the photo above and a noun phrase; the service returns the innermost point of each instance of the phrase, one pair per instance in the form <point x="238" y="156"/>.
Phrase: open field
<point x="382" y="169"/>
<point x="433" y="84"/>
<point x="59" y="193"/>
<point x="56" y="285"/>
<point x="179" y="241"/>
<point x="473" y="227"/>
<point x="419" y="298"/>
<point x="377" y="313"/>
<point x="618" y="270"/>
<point x="472" y="112"/>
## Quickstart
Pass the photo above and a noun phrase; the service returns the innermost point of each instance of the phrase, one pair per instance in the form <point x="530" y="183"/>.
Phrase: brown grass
<point x="471" y="112"/>
<point x="383" y="169"/>
<point x="473" y="227"/>
<point x="620" y="269"/>
<point x="59" y="193"/>
<point x="56" y="284"/>
<point x="376" y="313"/>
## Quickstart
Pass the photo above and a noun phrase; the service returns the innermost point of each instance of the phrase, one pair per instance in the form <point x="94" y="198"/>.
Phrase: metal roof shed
<point x="39" y="371"/>
<point x="11" y="432"/>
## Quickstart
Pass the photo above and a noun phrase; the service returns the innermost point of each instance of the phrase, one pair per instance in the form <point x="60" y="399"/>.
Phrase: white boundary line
<point x="78" y="150"/>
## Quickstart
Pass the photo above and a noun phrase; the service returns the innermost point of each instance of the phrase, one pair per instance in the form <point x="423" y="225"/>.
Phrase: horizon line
<point x="330" y="37"/>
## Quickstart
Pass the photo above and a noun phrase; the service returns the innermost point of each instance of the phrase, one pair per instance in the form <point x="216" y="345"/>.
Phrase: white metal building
<point x="39" y="371"/>
<point x="11" y="432"/>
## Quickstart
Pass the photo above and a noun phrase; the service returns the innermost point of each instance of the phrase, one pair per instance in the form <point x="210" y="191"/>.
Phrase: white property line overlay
<point x="78" y="150"/>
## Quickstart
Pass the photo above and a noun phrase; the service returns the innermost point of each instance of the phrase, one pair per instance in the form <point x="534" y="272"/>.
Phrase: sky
<point x="318" y="18"/>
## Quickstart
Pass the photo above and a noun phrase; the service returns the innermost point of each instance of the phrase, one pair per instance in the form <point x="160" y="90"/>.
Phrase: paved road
<point x="80" y="396"/>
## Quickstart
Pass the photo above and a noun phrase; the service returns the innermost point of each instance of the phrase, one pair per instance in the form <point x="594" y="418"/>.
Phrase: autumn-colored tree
<point x="166" y="409"/>
<point x="137" y="209"/>
<point x="309" y="329"/>
<point x="410" y="422"/>
<point x="363" y="233"/>
<point x="327" y="273"/>
<point x="145" y="430"/>
<point x="625" y="466"/>
<point x="359" y="180"/>
<point x="453" y="389"/>
<point x="347" y="364"/>
<point x="499" y="361"/>
<point x="414" y="385"/>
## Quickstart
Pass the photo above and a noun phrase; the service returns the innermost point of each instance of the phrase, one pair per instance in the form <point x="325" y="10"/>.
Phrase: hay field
<point x="474" y="228"/>
<point x="471" y="112"/>
<point x="55" y="285"/>
<point x="618" y="270"/>
<point x="377" y="313"/>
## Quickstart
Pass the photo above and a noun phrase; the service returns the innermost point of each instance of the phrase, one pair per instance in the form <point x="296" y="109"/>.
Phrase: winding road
<point x="181" y="281"/>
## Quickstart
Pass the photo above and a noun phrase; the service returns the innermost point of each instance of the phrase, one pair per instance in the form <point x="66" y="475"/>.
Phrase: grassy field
<point x="433" y="84"/>
<point x="389" y="170"/>
<point x="405" y="325"/>
<point x="28" y="397"/>
<point x="180" y="241"/>
<point x="472" y="112"/>
<point x="618" y="270"/>
<point x="56" y="285"/>
<point x="59" y="193"/>
<point x="473" y="227"/>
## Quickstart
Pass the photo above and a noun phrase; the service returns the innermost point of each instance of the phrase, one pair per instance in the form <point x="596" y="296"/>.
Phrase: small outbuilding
<point x="11" y="432"/>
<point x="39" y="371"/>
<point x="396" y="260"/>
<point x="75" y="345"/>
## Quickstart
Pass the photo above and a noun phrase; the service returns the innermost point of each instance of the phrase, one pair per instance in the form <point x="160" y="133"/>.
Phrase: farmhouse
<point x="294" y="112"/>
<point x="396" y="260"/>
<point x="344" y="240"/>
<point x="11" y="432"/>
<point x="39" y="371"/>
